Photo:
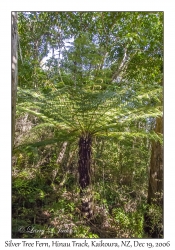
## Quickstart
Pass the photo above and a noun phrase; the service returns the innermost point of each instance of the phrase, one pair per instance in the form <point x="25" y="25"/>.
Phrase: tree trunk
<point x="155" y="189"/>
<point x="154" y="216"/>
<point x="14" y="70"/>
<point x="84" y="169"/>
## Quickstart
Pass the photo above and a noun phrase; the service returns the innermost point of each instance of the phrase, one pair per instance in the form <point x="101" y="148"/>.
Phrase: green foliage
<point x="154" y="220"/>
<point x="84" y="232"/>
<point x="62" y="206"/>
<point x="86" y="72"/>
<point x="132" y="221"/>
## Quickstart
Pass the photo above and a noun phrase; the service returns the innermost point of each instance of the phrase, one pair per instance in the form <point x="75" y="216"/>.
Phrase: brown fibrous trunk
<point x="84" y="169"/>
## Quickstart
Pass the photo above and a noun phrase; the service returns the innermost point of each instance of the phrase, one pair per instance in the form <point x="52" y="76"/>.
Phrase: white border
<point x="5" y="96"/>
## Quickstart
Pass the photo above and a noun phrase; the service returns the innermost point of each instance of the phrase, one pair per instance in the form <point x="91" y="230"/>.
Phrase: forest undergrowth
<point x="87" y="124"/>
<point x="46" y="196"/>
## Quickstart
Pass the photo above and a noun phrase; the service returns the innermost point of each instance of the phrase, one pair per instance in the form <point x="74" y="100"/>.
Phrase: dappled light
<point x="87" y="126"/>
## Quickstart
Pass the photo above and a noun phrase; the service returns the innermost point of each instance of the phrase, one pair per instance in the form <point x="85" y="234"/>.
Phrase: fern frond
<point x="124" y="135"/>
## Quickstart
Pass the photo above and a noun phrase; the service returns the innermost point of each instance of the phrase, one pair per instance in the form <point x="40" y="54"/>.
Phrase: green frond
<point x="124" y="135"/>
<point x="61" y="137"/>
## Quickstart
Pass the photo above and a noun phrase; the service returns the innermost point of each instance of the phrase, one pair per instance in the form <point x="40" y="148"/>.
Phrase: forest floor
<point x="45" y="209"/>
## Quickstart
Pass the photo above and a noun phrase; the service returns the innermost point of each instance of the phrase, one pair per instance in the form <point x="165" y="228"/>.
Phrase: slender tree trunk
<point x="84" y="169"/>
<point x="155" y="189"/>
<point x="14" y="70"/>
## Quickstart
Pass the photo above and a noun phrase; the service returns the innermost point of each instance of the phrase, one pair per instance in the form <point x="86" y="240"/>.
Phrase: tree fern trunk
<point x="84" y="169"/>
